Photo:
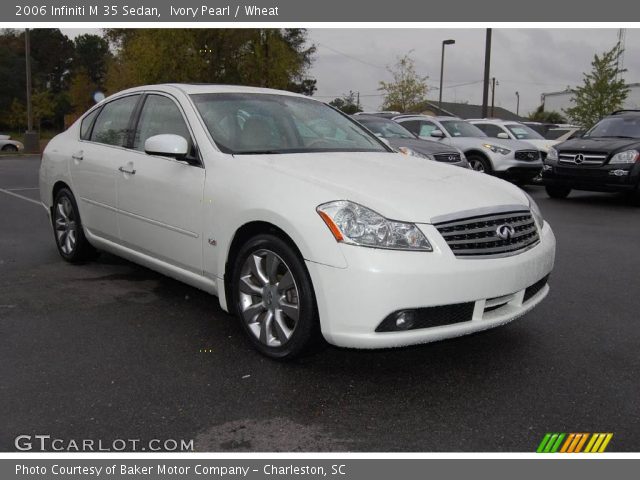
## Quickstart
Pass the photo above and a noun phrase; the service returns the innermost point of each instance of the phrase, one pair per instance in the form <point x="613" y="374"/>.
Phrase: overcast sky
<point x="530" y="61"/>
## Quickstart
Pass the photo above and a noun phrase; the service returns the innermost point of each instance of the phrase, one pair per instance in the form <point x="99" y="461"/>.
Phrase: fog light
<point x="619" y="173"/>
<point x="404" y="320"/>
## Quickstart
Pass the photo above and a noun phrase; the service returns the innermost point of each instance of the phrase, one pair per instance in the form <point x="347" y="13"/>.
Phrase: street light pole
<point x="444" y="42"/>
<point x="518" y="103"/>
<point x="493" y="94"/>
<point x="31" y="140"/>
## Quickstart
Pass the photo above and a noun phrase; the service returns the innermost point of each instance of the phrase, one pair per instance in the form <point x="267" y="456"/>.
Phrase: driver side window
<point x="491" y="130"/>
<point x="426" y="128"/>
<point x="160" y="115"/>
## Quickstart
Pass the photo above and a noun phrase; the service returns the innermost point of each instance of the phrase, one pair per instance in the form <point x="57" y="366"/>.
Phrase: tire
<point x="10" y="148"/>
<point x="274" y="298"/>
<point x="479" y="163"/>
<point x="72" y="244"/>
<point x="557" y="191"/>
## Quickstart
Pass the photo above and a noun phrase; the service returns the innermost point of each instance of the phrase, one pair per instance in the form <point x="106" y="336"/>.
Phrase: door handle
<point x="77" y="156"/>
<point x="129" y="172"/>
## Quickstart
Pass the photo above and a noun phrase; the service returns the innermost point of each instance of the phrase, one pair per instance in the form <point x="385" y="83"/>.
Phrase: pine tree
<point x="603" y="89"/>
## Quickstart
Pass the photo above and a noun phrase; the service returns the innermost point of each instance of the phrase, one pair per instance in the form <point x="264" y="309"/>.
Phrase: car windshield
<point x="460" y="128"/>
<point x="616" y="127"/>
<point x="250" y="123"/>
<point x="522" y="132"/>
<point x="386" y="128"/>
<point x="555" y="133"/>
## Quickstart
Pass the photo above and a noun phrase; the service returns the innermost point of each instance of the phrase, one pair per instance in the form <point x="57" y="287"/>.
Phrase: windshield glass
<point x="386" y="128"/>
<point x="522" y="132"/>
<point x="250" y="123"/>
<point x="460" y="128"/>
<point x="616" y="127"/>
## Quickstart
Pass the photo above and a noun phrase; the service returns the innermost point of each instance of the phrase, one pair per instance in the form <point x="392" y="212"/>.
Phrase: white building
<point x="559" y="101"/>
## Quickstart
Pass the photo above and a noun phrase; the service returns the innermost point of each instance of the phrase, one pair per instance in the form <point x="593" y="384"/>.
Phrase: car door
<point x="160" y="198"/>
<point x="94" y="161"/>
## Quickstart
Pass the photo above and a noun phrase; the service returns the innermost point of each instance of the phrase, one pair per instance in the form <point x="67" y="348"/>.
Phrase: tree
<point x="91" y="54"/>
<point x="81" y="91"/>
<point x="275" y="58"/>
<point x="541" y="115"/>
<point x="603" y="89"/>
<point x="44" y="107"/>
<point x="407" y="88"/>
<point x="348" y="103"/>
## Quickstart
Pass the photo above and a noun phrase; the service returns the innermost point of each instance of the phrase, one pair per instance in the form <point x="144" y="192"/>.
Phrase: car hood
<point x="542" y="144"/>
<point x="397" y="186"/>
<point x="602" y="145"/>
<point x="466" y="143"/>
<point x="422" y="146"/>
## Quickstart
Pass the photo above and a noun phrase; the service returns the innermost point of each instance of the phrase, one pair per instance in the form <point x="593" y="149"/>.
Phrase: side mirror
<point x="503" y="136"/>
<point x="167" y="145"/>
<point x="437" y="133"/>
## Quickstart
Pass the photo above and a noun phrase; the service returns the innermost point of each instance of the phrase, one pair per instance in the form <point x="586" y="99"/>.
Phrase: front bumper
<point x="352" y="302"/>
<point x="604" y="178"/>
<point x="510" y="168"/>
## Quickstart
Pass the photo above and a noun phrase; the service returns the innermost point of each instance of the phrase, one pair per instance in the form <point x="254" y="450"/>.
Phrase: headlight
<point x="357" y="225"/>
<point x="496" y="149"/>
<point x="552" y="154"/>
<point x="535" y="212"/>
<point x="628" y="156"/>
<point x="413" y="153"/>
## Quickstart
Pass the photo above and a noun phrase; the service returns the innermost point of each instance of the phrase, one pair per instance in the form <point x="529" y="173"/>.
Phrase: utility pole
<point x="487" y="65"/>
<point x="31" y="137"/>
<point x="358" y="101"/>
<point x="493" y="94"/>
<point x="518" y="103"/>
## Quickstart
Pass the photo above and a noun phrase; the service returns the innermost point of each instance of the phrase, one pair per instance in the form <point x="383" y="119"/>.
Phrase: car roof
<point x="495" y="121"/>
<point x="195" y="88"/>
<point x="429" y="117"/>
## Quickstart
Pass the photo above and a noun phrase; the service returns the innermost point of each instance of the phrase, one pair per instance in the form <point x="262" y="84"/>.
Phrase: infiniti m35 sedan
<point x="303" y="223"/>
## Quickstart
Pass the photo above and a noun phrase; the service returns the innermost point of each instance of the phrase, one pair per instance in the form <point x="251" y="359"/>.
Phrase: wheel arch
<point x="480" y="153"/>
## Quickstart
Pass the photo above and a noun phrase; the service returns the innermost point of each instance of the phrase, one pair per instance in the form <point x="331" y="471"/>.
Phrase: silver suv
<point x="512" y="159"/>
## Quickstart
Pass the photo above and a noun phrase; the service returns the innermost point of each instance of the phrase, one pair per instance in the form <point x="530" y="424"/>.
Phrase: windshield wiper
<point x="613" y="136"/>
<point x="259" y="152"/>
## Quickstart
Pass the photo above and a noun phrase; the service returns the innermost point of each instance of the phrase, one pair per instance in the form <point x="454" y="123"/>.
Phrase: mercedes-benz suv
<point x="605" y="159"/>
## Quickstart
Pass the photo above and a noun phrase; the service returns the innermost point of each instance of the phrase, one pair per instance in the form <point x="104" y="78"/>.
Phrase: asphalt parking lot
<point x="111" y="350"/>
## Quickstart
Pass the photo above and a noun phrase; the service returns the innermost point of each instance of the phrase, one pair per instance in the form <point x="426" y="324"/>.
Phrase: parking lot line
<point x="17" y="195"/>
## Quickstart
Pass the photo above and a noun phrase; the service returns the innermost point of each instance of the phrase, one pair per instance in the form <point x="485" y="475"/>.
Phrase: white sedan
<point x="302" y="222"/>
<point x="10" y="146"/>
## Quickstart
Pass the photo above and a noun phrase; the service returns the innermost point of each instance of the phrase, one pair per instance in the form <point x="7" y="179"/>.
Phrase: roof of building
<point x="467" y="110"/>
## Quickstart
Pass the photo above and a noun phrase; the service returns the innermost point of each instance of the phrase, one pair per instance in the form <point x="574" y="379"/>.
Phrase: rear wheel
<point x="67" y="227"/>
<point x="274" y="298"/>
<point x="479" y="163"/>
<point x="10" y="148"/>
<point x="558" y="191"/>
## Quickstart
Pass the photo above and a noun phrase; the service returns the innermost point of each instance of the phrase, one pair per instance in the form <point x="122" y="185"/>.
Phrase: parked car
<point x="10" y="146"/>
<point x="605" y="159"/>
<point x="299" y="219"/>
<point x="511" y="159"/>
<point x="505" y="129"/>
<point x="406" y="142"/>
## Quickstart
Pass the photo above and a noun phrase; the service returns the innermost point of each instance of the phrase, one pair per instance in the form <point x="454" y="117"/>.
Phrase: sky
<point x="529" y="61"/>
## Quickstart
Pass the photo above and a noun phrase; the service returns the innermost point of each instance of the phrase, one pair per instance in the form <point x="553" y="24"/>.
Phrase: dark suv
<point x="605" y="159"/>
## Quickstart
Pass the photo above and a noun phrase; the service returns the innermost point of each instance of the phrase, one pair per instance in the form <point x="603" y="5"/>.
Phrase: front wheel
<point x="557" y="191"/>
<point x="10" y="148"/>
<point x="479" y="163"/>
<point x="274" y="298"/>
<point x="67" y="227"/>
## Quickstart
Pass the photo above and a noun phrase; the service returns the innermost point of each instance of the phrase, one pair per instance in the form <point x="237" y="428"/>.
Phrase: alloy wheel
<point x="269" y="298"/>
<point x="476" y="165"/>
<point x="66" y="226"/>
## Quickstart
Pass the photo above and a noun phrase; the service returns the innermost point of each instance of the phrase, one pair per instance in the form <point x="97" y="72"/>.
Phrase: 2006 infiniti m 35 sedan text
<point x="301" y="221"/>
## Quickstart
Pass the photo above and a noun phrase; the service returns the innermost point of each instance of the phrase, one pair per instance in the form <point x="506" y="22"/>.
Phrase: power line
<point x="350" y="56"/>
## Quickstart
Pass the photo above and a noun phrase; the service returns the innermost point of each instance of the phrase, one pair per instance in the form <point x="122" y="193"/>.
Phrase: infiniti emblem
<point x="452" y="158"/>
<point x="578" y="159"/>
<point x="505" y="232"/>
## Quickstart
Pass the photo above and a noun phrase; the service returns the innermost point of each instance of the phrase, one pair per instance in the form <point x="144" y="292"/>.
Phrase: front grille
<point x="582" y="158"/>
<point x="527" y="155"/>
<point x="447" y="157"/>
<point x="535" y="288"/>
<point x="478" y="236"/>
<point x="582" y="172"/>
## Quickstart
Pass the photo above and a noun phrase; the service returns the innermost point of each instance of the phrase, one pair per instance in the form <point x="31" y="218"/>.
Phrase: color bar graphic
<point x="574" y="443"/>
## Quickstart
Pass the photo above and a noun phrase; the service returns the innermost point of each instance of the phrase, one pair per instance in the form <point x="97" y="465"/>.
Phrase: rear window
<point x="87" y="123"/>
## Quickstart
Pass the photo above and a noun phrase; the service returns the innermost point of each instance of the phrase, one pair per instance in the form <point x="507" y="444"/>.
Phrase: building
<point x="466" y="110"/>
<point x="560" y="101"/>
